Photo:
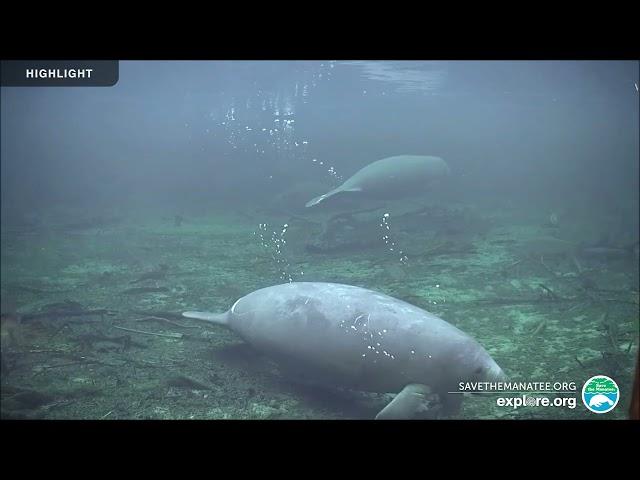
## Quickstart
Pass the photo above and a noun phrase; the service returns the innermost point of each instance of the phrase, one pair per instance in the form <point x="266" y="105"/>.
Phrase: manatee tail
<point x="320" y="198"/>
<point x="217" y="318"/>
<point x="333" y="192"/>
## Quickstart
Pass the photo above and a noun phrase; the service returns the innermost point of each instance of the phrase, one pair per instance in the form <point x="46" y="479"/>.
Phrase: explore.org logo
<point x="600" y="394"/>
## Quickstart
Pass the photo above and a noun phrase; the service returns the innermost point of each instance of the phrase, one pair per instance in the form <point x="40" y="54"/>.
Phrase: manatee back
<point x="397" y="175"/>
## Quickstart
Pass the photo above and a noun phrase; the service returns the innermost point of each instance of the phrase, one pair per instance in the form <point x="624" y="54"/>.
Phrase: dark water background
<point x="522" y="131"/>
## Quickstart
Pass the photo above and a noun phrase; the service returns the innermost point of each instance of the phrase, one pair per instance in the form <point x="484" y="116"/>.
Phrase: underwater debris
<point x="8" y="362"/>
<point x="73" y="310"/>
<point x="157" y="274"/>
<point x="32" y="289"/>
<point x="608" y="252"/>
<point x="539" y="328"/>
<point x="548" y="292"/>
<point x="345" y="232"/>
<point x="545" y="245"/>
<point x="42" y="368"/>
<point x="165" y="315"/>
<point x="161" y="313"/>
<point x="105" y="343"/>
<point x="27" y="400"/>
<point x="165" y="320"/>
<point x="530" y="257"/>
<point x="546" y="267"/>
<point x="611" y="361"/>
<point x="182" y="381"/>
<point x="341" y="233"/>
<point x="359" y="230"/>
<point x="505" y="270"/>
<point x="137" y="290"/>
<point x="438" y="249"/>
<point x="501" y="301"/>
<point x="610" y="329"/>
<point x="577" y="264"/>
<point x="146" y="363"/>
<point x="112" y="346"/>
<point x="64" y="306"/>
<point x="169" y="335"/>
<point x="9" y="330"/>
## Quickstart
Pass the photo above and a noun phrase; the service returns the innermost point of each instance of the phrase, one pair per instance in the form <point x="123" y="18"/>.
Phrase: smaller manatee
<point x="391" y="178"/>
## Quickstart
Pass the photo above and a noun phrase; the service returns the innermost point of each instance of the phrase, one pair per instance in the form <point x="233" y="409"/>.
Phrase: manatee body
<point x="599" y="399"/>
<point x="392" y="177"/>
<point x="346" y="336"/>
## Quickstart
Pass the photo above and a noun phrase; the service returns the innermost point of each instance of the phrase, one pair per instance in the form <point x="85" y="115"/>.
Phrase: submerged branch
<point x="67" y="313"/>
<point x="168" y="335"/>
<point x="160" y="319"/>
<point x="539" y="328"/>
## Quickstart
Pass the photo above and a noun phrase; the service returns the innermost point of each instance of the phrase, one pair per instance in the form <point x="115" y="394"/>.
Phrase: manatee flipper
<point x="217" y="318"/>
<point x="410" y="401"/>
<point x="333" y="192"/>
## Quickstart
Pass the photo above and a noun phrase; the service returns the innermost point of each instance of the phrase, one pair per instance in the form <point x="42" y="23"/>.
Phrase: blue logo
<point x="600" y="394"/>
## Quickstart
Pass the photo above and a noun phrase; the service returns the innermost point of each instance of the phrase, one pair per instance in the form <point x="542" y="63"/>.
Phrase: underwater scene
<point x="322" y="240"/>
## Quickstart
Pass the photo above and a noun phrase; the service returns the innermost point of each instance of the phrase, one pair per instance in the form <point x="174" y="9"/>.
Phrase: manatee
<point x="349" y="337"/>
<point x="599" y="399"/>
<point x="391" y="178"/>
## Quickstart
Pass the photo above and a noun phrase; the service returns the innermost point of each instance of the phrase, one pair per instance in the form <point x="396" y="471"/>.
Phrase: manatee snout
<point x="487" y="370"/>
<point x="476" y="364"/>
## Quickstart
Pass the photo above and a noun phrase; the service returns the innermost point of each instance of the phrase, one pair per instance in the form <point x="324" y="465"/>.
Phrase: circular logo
<point x="600" y="394"/>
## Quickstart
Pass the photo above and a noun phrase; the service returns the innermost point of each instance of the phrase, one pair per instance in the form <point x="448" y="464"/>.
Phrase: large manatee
<point x="392" y="177"/>
<point x="346" y="336"/>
